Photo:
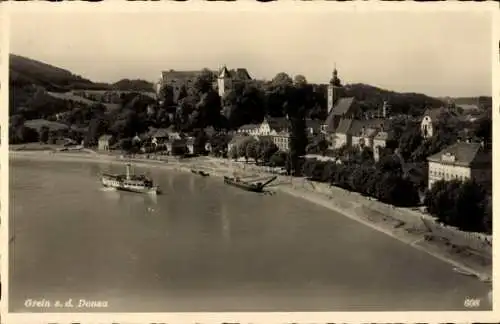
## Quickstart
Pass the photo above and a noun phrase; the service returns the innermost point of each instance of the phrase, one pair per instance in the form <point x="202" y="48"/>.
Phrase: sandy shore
<point x="336" y="199"/>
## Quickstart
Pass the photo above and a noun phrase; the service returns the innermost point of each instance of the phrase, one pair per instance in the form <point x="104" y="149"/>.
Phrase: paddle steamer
<point x="129" y="182"/>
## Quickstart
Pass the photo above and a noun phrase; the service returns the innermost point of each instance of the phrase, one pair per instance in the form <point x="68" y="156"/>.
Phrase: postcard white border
<point x="281" y="6"/>
<point x="4" y="155"/>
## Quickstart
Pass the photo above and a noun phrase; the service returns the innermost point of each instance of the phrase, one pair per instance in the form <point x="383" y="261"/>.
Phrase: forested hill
<point x="25" y="71"/>
<point x="133" y="85"/>
<point x="371" y="97"/>
<point x="28" y="72"/>
<point x="481" y="101"/>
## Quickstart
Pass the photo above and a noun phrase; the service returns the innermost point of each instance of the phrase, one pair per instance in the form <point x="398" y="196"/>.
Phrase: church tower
<point x="386" y="109"/>
<point x="334" y="90"/>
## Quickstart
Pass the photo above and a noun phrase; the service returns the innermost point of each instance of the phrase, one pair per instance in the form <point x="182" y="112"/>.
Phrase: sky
<point x="437" y="53"/>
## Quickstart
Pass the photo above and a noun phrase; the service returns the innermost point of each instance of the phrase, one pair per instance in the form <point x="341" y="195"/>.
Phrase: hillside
<point x="25" y="72"/>
<point x="372" y="97"/>
<point x="133" y="85"/>
<point x="482" y="101"/>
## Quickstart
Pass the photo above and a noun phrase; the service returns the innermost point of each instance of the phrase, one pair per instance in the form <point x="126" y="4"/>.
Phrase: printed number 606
<point x="472" y="302"/>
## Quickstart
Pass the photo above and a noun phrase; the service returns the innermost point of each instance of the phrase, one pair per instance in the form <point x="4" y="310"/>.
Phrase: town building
<point x="277" y="130"/>
<point x="105" y="142"/>
<point x="461" y="161"/>
<point x="432" y="117"/>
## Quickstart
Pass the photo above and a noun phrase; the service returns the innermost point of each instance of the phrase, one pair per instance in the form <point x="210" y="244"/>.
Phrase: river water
<point x="204" y="246"/>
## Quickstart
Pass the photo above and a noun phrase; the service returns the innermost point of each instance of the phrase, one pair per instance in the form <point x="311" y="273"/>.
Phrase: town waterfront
<point x="204" y="246"/>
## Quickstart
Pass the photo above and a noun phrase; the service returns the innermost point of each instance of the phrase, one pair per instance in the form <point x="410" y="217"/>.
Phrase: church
<point x="346" y="125"/>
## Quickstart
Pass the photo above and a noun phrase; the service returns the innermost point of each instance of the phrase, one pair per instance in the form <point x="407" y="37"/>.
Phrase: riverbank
<point x="410" y="231"/>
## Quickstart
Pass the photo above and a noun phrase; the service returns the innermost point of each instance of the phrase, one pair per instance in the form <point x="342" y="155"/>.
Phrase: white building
<point x="461" y="161"/>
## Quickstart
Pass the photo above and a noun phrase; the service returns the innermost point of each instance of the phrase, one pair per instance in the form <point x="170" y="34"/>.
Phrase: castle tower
<point x="223" y="80"/>
<point x="334" y="90"/>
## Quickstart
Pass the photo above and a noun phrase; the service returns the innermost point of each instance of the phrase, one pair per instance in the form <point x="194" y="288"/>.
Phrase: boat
<point x="247" y="185"/>
<point x="129" y="182"/>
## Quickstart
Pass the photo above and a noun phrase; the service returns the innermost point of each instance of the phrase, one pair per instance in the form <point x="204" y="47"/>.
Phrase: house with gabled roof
<point x="461" y="161"/>
<point x="431" y="118"/>
<point x="105" y="142"/>
<point x="277" y="129"/>
<point x="227" y="78"/>
<point x="360" y="132"/>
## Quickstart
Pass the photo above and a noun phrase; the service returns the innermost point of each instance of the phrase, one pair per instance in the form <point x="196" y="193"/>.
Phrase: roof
<point x="105" y="137"/>
<point x="277" y="124"/>
<point x="161" y="132"/>
<point x="436" y="113"/>
<point x="39" y="123"/>
<point x="382" y="136"/>
<point x="468" y="107"/>
<point x="355" y="127"/>
<point x="313" y="123"/>
<point x="181" y="75"/>
<point x="344" y="126"/>
<point x="236" y="74"/>
<point x="240" y="74"/>
<point x="248" y="127"/>
<point x="371" y="126"/>
<point x="342" y="106"/>
<point x="464" y="154"/>
<point x="238" y="139"/>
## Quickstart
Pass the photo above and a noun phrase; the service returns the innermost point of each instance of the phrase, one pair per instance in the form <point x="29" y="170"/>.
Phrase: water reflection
<point x="226" y="224"/>
<point x="192" y="187"/>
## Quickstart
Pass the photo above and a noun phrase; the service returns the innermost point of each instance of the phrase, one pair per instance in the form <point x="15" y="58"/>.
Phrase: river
<point x="204" y="246"/>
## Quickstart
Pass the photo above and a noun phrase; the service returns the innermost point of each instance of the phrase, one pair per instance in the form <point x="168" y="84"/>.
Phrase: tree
<point x="461" y="204"/>
<point x="98" y="126"/>
<point x="252" y="150"/>
<point x="278" y="159"/>
<point x="483" y="128"/>
<point x="209" y="109"/>
<point x="390" y="164"/>
<point x="359" y="178"/>
<point x="203" y="82"/>
<point x="166" y="95"/>
<point x="409" y="140"/>
<point x="178" y="150"/>
<point x="393" y="189"/>
<point x="233" y="153"/>
<point x="126" y="144"/>
<point x="200" y="140"/>
<point x="300" y="80"/>
<point x="44" y="134"/>
<point x="266" y="148"/>
<point x="219" y="143"/>
<point x="244" y="104"/>
<point x="366" y="156"/>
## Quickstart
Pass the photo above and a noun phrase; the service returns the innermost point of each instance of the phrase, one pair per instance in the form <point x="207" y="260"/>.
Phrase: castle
<point x="223" y="79"/>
